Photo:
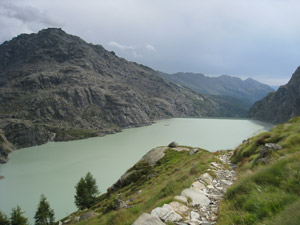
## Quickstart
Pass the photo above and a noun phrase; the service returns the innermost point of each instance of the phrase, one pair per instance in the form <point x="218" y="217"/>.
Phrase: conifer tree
<point x="4" y="219"/>
<point x="86" y="192"/>
<point x="16" y="217"/>
<point x="44" y="214"/>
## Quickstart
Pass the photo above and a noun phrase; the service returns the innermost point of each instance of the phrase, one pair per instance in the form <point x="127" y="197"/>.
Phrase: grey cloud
<point x="254" y="38"/>
<point x="17" y="19"/>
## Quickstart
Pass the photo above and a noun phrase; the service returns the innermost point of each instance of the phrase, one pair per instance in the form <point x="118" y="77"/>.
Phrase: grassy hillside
<point x="266" y="192"/>
<point x="150" y="186"/>
<point x="268" y="188"/>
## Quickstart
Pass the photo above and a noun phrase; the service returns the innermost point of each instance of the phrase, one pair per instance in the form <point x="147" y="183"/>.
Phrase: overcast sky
<point x="245" y="38"/>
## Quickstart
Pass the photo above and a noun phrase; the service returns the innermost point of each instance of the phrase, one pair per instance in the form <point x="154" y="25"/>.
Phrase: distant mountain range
<point x="279" y="106"/>
<point x="55" y="86"/>
<point x="247" y="91"/>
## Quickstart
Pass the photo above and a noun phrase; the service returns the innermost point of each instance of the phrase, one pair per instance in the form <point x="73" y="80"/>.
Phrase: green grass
<point x="289" y="216"/>
<point x="265" y="193"/>
<point x="175" y="172"/>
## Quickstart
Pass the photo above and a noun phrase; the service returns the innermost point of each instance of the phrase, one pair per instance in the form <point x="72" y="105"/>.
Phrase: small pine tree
<point x="16" y="217"/>
<point x="86" y="192"/>
<point x="4" y="219"/>
<point x="44" y="214"/>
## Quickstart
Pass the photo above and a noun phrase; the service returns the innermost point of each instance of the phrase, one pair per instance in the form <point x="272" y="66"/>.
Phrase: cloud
<point x="253" y="38"/>
<point x="150" y="48"/>
<point x="16" y="19"/>
<point x="121" y="47"/>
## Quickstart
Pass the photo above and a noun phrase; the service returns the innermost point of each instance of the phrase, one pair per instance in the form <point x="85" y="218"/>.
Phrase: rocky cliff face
<point x="55" y="86"/>
<point x="279" y="106"/>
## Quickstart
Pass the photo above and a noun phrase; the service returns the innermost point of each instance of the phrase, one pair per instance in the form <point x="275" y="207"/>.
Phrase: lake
<point x="53" y="169"/>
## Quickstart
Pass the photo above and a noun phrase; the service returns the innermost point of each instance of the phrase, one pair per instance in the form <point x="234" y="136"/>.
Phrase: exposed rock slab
<point x="154" y="155"/>
<point x="166" y="213"/>
<point x="179" y="208"/>
<point x="147" y="219"/>
<point x="198" y="198"/>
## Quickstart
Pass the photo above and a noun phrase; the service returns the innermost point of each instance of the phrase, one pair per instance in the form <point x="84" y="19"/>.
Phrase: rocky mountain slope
<point x="245" y="92"/>
<point x="55" y="86"/>
<point x="279" y="106"/>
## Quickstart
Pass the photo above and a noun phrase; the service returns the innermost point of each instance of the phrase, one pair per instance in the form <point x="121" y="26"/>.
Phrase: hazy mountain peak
<point x="249" y="91"/>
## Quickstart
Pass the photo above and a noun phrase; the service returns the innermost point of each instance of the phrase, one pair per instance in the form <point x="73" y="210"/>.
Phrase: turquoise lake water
<point x="54" y="168"/>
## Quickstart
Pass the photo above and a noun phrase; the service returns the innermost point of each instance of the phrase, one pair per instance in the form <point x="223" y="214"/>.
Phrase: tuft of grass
<point x="289" y="216"/>
<point x="266" y="193"/>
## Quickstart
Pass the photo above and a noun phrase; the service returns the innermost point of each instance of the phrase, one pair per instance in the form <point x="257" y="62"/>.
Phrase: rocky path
<point x="198" y="204"/>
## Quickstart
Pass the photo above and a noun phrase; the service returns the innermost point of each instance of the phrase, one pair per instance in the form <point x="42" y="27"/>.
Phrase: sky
<point x="245" y="38"/>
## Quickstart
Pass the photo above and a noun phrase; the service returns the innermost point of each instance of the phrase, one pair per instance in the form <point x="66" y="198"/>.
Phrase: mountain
<point x="55" y="86"/>
<point x="279" y="106"/>
<point x="247" y="91"/>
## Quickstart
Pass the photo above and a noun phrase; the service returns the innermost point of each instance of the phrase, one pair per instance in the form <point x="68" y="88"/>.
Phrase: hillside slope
<point x="267" y="189"/>
<point x="246" y="92"/>
<point x="279" y="106"/>
<point x="55" y="86"/>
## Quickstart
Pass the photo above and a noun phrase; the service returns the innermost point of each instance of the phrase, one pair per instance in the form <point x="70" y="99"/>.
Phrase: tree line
<point x="86" y="193"/>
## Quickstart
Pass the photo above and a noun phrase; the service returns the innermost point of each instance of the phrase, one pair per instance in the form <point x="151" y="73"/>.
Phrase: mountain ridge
<point x="281" y="105"/>
<point x="56" y="87"/>
<point x="248" y="91"/>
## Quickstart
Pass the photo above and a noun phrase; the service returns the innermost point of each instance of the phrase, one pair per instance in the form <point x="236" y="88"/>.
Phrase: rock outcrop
<point x="55" y="86"/>
<point x="279" y="106"/>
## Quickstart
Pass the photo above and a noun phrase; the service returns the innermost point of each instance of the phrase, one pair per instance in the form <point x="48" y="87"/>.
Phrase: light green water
<point x="54" y="168"/>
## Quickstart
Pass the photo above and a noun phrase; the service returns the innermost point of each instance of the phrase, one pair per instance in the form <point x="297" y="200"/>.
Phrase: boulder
<point x="194" y="215"/>
<point x="154" y="155"/>
<point x="181" y="198"/>
<point x="267" y="149"/>
<point x="198" y="198"/>
<point x="87" y="215"/>
<point x="179" y="208"/>
<point x="166" y="213"/>
<point x="273" y="146"/>
<point x="173" y="144"/>
<point x="147" y="219"/>
<point x="206" y="178"/>
<point x="193" y="151"/>
<point x="197" y="186"/>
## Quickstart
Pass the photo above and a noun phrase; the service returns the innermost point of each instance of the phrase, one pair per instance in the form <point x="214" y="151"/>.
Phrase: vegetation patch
<point x="267" y="191"/>
<point x="157" y="185"/>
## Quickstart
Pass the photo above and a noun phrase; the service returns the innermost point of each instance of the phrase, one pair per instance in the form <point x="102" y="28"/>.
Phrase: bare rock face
<point x="279" y="106"/>
<point x="54" y="83"/>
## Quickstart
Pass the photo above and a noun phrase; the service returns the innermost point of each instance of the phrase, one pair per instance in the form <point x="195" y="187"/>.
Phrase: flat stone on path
<point x="166" y="213"/>
<point x="147" y="219"/>
<point x="197" y="197"/>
